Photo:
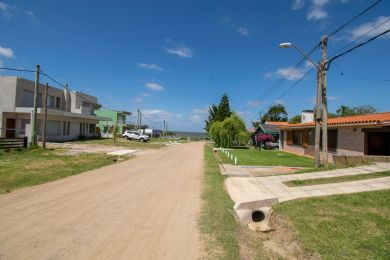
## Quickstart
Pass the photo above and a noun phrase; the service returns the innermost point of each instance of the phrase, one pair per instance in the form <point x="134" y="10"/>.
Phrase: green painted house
<point x="117" y="118"/>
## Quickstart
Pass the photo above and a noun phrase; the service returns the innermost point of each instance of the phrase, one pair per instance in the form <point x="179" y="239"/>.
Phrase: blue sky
<point x="174" y="58"/>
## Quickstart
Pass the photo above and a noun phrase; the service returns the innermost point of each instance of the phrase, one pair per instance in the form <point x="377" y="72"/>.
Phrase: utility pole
<point x="34" y="140"/>
<point x="164" y="128"/>
<point x="318" y="121"/>
<point x="45" y="116"/>
<point x="140" y="120"/>
<point x="324" y="46"/>
<point x="137" y="120"/>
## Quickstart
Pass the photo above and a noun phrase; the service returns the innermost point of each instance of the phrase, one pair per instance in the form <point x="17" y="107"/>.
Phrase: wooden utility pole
<point x="45" y="116"/>
<point x="324" y="46"/>
<point x="34" y="140"/>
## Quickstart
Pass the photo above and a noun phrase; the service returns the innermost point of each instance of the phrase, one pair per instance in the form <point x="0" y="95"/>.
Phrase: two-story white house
<point x="70" y="114"/>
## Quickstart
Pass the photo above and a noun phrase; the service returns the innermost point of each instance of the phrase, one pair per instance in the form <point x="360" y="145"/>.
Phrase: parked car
<point x="134" y="135"/>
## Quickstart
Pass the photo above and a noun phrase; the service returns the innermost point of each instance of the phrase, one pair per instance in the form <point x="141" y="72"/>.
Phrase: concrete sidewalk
<point x="251" y="189"/>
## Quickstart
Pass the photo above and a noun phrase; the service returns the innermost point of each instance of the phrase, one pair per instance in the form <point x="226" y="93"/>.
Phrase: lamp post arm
<point x="306" y="56"/>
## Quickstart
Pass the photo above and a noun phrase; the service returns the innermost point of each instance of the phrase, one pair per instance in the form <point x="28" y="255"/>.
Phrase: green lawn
<point x="267" y="158"/>
<point x="353" y="226"/>
<point x="153" y="144"/>
<point x="307" y="182"/>
<point x="35" y="166"/>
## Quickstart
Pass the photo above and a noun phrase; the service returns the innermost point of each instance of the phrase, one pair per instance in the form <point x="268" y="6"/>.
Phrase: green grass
<point x="306" y="182"/>
<point x="353" y="226"/>
<point x="267" y="158"/>
<point x="35" y="166"/>
<point x="217" y="223"/>
<point x="153" y="144"/>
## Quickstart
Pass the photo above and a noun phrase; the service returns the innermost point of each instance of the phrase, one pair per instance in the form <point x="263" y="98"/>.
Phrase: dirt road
<point x="144" y="208"/>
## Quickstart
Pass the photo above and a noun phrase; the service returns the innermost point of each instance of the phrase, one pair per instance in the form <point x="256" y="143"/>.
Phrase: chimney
<point x="307" y="116"/>
<point x="67" y="98"/>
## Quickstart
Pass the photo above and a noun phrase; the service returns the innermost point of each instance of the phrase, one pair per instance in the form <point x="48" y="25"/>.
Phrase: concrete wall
<point x="350" y="141"/>
<point x="7" y="99"/>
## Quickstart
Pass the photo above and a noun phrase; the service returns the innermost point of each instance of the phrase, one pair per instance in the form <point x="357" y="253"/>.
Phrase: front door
<point x="378" y="143"/>
<point x="10" y="128"/>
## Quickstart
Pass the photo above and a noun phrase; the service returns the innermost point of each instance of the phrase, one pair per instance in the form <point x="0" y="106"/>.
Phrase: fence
<point x="13" y="143"/>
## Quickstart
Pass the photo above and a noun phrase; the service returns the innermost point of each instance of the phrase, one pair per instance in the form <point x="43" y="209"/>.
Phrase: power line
<point x="361" y="36"/>
<point x="296" y="83"/>
<point x="357" y="46"/>
<point x="15" y="69"/>
<point x="358" y="76"/>
<point x="353" y="19"/>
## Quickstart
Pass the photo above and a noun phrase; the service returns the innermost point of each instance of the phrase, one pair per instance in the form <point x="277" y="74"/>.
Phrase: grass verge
<point x="35" y="166"/>
<point x="217" y="222"/>
<point x="267" y="158"/>
<point x="351" y="226"/>
<point x="122" y="142"/>
<point x="294" y="183"/>
<point x="222" y="235"/>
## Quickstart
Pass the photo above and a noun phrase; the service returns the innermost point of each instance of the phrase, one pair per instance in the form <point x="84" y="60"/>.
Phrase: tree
<point x="344" y="111"/>
<point x="218" y="113"/>
<point x="223" y="108"/>
<point x="231" y="131"/>
<point x="359" y="110"/>
<point x="276" y="113"/>
<point x="255" y="124"/>
<point x="295" y="119"/>
<point x="367" y="109"/>
<point x="213" y="110"/>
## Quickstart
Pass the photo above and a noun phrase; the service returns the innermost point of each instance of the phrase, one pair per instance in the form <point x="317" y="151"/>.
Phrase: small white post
<point x="235" y="160"/>
<point x="231" y="156"/>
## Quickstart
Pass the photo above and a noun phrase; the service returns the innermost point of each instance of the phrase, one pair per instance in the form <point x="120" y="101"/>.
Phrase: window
<point x="53" y="128"/>
<point x="23" y="123"/>
<point x="297" y="138"/>
<point x="50" y="101"/>
<point x="28" y="99"/>
<point x="92" y="128"/>
<point x="58" y="102"/>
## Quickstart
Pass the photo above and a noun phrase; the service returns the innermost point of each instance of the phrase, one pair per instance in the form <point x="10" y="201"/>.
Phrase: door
<point x="378" y="143"/>
<point x="10" y="128"/>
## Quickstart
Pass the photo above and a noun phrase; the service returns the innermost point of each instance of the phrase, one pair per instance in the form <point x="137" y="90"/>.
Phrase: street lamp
<point x="318" y="100"/>
<point x="285" y="45"/>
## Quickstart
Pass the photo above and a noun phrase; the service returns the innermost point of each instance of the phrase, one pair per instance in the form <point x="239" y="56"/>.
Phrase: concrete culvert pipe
<point x="258" y="216"/>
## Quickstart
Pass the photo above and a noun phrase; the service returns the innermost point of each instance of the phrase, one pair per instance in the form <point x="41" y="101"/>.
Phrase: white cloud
<point x="10" y="11"/>
<point x="369" y="28"/>
<point x="6" y="52"/>
<point x="147" y="94"/>
<point x="138" y="100"/>
<point x="157" y="114"/>
<point x="243" y="31"/>
<point x="331" y="98"/>
<point x="1" y="63"/>
<point x="151" y="66"/>
<point x="154" y="86"/>
<point x="196" y="118"/>
<point x="298" y="4"/>
<point x="317" y="11"/>
<point x="179" y="49"/>
<point x="289" y="73"/>
<point x="254" y="103"/>
<point x="279" y="101"/>
<point x="200" y="111"/>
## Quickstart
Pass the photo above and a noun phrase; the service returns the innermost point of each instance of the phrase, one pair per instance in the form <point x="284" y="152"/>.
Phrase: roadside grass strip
<point x="217" y="222"/>
<point x="30" y="167"/>
<point x="350" y="226"/>
<point x="265" y="158"/>
<point x="308" y="182"/>
<point x="153" y="144"/>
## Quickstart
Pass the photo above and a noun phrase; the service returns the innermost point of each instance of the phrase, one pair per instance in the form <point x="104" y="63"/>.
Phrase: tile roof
<point x="371" y="119"/>
<point x="276" y="123"/>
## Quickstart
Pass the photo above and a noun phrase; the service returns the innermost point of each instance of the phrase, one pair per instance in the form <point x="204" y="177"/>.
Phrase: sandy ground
<point x="144" y="208"/>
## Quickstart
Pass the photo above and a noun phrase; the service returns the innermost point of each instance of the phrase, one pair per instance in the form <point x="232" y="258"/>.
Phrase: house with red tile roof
<point x="356" y="135"/>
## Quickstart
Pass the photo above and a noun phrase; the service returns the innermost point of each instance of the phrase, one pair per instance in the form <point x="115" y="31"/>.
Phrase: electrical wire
<point x="15" y="69"/>
<point x="360" y="37"/>
<point x="354" y="18"/>
<point x="358" y="76"/>
<point x="355" y="47"/>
